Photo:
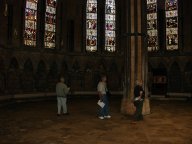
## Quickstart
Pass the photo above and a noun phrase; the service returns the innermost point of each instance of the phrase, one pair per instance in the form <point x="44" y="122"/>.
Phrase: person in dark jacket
<point x="139" y="96"/>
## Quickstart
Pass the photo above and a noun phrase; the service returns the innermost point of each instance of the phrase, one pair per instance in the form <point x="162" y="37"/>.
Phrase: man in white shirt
<point x="62" y="91"/>
<point x="102" y="91"/>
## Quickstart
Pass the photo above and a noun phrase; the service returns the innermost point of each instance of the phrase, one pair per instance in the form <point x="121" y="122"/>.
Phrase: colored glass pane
<point x="50" y="24"/>
<point x="30" y="30"/>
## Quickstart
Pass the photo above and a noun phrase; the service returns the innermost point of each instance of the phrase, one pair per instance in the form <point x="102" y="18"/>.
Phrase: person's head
<point x="103" y="78"/>
<point x="139" y="82"/>
<point x="62" y="79"/>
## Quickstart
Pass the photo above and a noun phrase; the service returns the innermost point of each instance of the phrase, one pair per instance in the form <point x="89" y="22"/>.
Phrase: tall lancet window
<point x="152" y="32"/>
<point x="50" y="24"/>
<point x="30" y="29"/>
<point x="91" y="26"/>
<point x="110" y="26"/>
<point x="171" y="8"/>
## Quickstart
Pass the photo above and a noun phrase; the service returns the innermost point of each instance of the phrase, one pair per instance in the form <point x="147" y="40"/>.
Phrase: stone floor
<point x="170" y="122"/>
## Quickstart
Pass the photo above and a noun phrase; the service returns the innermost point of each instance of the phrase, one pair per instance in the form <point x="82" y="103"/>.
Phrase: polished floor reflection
<point x="37" y="123"/>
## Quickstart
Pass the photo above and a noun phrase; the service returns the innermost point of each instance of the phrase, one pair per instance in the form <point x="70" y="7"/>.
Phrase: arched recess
<point x="150" y="77"/>
<point x="28" y="76"/>
<point x="14" y="65"/>
<point x="175" y="79"/>
<point x="64" y="68"/>
<point x="53" y="69"/>
<point x="41" y="76"/>
<point x="100" y="68"/>
<point x="13" y="83"/>
<point x="52" y="76"/>
<point x="159" y="80"/>
<point x="76" y="76"/>
<point x="187" y="82"/>
<point x="113" y="76"/>
<point x="28" y="66"/>
<point x="88" y="75"/>
<point x="102" y="65"/>
<point x="2" y="76"/>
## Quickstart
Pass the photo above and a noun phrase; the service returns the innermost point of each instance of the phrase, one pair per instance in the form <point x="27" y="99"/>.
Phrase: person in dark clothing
<point x="139" y="96"/>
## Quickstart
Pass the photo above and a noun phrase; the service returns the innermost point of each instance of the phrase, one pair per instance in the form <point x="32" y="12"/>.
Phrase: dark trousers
<point x="138" y="113"/>
<point x="105" y="110"/>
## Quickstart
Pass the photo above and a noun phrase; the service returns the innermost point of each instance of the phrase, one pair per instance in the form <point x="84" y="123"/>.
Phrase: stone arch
<point x="114" y="78"/>
<point x="188" y="66"/>
<point x="28" y="65"/>
<point x="157" y="79"/>
<point x="187" y="82"/>
<point x="13" y="83"/>
<point x="76" y="66"/>
<point x="13" y="64"/>
<point x="88" y="66"/>
<point x="52" y="77"/>
<point x="113" y="67"/>
<point x="2" y="76"/>
<point x="53" y="69"/>
<point x="88" y="75"/>
<point x="27" y="77"/>
<point x="175" y="78"/>
<point x="2" y="64"/>
<point x="101" y="66"/>
<point x="64" y="68"/>
<point x="150" y="67"/>
<point x="161" y="65"/>
<point x="41" y="67"/>
<point x="150" y="77"/>
<point x="41" y="76"/>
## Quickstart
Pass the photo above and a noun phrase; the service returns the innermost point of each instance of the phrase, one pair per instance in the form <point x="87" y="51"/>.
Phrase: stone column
<point x="135" y="52"/>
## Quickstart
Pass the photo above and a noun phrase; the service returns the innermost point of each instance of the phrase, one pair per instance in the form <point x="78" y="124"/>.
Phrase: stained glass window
<point x="171" y="24"/>
<point x="152" y="32"/>
<point x="91" y="25"/>
<point x="30" y="30"/>
<point x="110" y="38"/>
<point x="50" y="24"/>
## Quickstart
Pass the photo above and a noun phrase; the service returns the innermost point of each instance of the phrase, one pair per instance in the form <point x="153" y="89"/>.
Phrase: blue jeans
<point x="105" y="110"/>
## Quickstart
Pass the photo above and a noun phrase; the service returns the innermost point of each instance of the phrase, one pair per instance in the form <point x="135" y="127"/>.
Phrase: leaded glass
<point x="152" y="33"/>
<point x="91" y="26"/>
<point x="110" y="26"/>
<point x="50" y="24"/>
<point x="30" y="30"/>
<point x="171" y="24"/>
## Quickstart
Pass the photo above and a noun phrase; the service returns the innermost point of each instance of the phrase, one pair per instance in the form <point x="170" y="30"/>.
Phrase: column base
<point x="127" y="107"/>
<point x="146" y="107"/>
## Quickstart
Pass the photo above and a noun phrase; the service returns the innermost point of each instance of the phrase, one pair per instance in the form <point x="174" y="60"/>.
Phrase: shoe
<point x="101" y="117"/>
<point x="107" y="116"/>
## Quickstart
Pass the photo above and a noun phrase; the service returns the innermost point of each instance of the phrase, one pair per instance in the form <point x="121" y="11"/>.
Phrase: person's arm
<point x="141" y="93"/>
<point x="100" y="95"/>
<point x="137" y="93"/>
<point x="66" y="89"/>
<point x="99" y="90"/>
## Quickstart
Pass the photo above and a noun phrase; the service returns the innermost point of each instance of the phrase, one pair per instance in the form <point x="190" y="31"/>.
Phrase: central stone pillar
<point x="135" y="52"/>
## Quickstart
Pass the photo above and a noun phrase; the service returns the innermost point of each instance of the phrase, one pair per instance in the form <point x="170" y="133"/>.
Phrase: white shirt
<point x="101" y="87"/>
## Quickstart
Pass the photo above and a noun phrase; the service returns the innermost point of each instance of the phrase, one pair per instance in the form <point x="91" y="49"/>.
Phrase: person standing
<point x="61" y="91"/>
<point x="138" y="100"/>
<point x="102" y="91"/>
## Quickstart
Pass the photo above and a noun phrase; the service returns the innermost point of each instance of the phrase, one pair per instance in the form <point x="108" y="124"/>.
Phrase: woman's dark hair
<point x="102" y="76"/>
<point x="59" y="78"/>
